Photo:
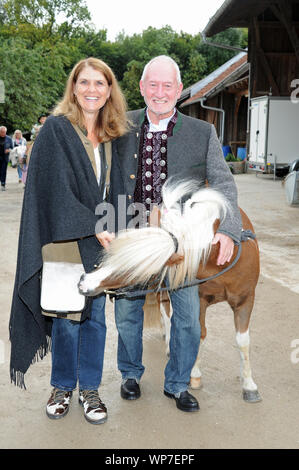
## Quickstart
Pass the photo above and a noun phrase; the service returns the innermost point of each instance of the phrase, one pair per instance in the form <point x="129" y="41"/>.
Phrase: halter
<point x="175" y="240"/>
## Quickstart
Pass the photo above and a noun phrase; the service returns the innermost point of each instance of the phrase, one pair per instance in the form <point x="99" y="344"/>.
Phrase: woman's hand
<point x="105" y="238"/>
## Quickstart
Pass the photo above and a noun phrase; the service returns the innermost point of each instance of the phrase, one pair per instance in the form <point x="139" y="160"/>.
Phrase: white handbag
<point x="59" y="287"/>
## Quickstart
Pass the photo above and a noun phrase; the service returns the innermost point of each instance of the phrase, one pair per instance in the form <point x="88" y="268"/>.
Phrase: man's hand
<point x="105" y="238"/>
<point x="226" y="248"/>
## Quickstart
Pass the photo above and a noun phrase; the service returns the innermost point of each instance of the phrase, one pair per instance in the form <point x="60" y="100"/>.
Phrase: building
<point x="273" y="42"/>
<point x="273" y="57"/>
<point x="221" y="98"/>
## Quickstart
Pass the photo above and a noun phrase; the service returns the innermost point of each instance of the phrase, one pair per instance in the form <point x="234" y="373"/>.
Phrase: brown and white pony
<point x="181" y="249"/>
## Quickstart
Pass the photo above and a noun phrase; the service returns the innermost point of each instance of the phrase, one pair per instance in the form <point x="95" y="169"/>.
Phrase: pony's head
<point x="189" y="211"/>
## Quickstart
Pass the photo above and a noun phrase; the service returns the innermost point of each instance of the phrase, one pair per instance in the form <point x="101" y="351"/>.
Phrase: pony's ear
<point x="174" y="259"/>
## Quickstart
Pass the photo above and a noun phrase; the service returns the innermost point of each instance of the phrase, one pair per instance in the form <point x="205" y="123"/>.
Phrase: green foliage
<point x="231" y="158"/>
<point x="130" y="85"/>
<point x="45" y="12"/>
<point x="41" y="40"/>
<point x="34" y="79"/>
<point x="196" y="67"/>
<point x="216" y="56"/>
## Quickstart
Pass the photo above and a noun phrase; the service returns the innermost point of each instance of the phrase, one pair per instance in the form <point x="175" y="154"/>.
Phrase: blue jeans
<point x="78" y="350"/>
<point x="184" y="338"/>
<point x="19" y="169"/>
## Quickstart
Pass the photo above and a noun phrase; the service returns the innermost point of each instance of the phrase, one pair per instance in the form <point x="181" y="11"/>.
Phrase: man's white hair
<point x="3" y="127"/>
<point x="164" y="58"/>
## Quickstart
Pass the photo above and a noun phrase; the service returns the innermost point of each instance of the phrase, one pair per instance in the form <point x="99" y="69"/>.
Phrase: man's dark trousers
<point x="3" y="169"/>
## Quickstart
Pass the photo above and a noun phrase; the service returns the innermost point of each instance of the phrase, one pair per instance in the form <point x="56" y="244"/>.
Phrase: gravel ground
<point x="153" y="421"/>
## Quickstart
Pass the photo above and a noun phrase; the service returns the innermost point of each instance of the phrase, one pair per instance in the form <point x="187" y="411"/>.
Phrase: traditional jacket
<point x="59" y="205"/>
<point x="193" y="151"/>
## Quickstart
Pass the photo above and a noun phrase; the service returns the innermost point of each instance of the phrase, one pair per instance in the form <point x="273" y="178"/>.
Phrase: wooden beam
<point x="263" y="59"/>
<point x="237" y="92"/>
<point x="283" y="12"/>
<point x="252" y="59"/>
<point x="276" y="24"/>
<point x="279" y="54"/>
<point x="236" y="112"/>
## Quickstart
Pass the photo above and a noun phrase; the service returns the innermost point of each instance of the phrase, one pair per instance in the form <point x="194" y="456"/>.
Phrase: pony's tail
<point x="138" y="256"/>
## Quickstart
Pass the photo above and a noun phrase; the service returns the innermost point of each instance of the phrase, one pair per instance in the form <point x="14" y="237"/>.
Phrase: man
<point x="5" y="145"/>
<point x="164" y="143"/>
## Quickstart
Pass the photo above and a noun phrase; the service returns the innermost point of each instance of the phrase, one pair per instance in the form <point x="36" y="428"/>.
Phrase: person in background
<point x="66" y="182"/>
<point x="20" y="141"/>
<point x="6" y="145"/>
<point x="35" y="129"/>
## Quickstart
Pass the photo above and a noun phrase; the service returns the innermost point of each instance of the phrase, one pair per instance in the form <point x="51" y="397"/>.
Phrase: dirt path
<point x="153" y="422"/>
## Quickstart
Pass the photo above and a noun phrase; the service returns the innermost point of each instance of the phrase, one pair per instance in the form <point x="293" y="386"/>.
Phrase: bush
<point x="231" y="158"/>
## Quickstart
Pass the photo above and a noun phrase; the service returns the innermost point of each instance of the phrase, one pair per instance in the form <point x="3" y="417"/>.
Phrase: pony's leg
<point x="195" y="379"/>
<point x="242" y="318"/>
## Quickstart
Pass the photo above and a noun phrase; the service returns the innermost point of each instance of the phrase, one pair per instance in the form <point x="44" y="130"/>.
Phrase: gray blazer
<point x="193" y="151"/>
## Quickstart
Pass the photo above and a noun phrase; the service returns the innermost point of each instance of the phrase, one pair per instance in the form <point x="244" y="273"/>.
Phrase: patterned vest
<point x="152" y="164"/>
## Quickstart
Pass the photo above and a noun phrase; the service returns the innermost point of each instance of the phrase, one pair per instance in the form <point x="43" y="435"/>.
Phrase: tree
<point x="41" y="40"/>
<point x="130" y="85"/>
<point x="195" y="69"/>
<point x="46" y="12"/>
<point x="215" y="56"/>
<point x="34" y="80"/>
<point x="37" y="20"/>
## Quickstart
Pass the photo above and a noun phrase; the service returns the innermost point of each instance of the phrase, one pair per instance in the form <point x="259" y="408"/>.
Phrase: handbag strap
<point x="108" y="156"/>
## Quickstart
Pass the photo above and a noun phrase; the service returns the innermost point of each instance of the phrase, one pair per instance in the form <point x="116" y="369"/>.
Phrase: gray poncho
<point x="59" y="204"/>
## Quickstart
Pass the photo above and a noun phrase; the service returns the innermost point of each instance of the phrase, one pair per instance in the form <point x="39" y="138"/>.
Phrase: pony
<point x="179" y="247"/>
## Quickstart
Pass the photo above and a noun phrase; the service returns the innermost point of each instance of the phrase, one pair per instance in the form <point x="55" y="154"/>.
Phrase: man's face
<point x="160" y="90"/>
<point x="2" y="132"/>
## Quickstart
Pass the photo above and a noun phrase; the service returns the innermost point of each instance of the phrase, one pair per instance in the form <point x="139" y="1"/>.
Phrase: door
<point x="258" y="130"/>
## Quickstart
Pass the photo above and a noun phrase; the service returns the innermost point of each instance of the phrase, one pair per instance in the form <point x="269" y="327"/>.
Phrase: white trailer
<point x="274" y="134"/>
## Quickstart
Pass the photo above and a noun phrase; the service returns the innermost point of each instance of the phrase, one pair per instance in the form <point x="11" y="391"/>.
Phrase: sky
<point x="134" y="16"/>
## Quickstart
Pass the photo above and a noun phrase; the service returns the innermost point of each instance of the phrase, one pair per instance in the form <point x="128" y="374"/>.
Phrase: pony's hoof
<point x="195" y="383"/>
<point x="251" y="396"/>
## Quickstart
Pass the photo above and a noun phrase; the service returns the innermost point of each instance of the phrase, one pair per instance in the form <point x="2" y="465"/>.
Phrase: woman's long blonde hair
<point x="17" y="131"/>
<point x="112" y="121"/>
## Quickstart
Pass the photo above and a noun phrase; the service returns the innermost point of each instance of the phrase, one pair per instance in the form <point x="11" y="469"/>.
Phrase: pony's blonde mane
<point x="139" y="255"/>
<point x="192" y="224"/>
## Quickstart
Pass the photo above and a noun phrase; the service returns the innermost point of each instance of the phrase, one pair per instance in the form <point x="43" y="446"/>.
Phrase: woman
<point x="20" y="141"/>
<point x="66" y="181"/>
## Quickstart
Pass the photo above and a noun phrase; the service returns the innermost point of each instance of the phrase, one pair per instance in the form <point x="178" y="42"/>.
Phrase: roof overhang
<point x="235" y="14"/>
<point x="216" y="81"/>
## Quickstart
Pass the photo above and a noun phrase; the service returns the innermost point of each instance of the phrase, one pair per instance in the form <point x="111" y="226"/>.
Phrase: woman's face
<point x="92" y="91"/>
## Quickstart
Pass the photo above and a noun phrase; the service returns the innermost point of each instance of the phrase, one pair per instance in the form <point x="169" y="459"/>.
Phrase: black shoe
<point x="185" y="402"/>
<point x="130" y="390"/>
